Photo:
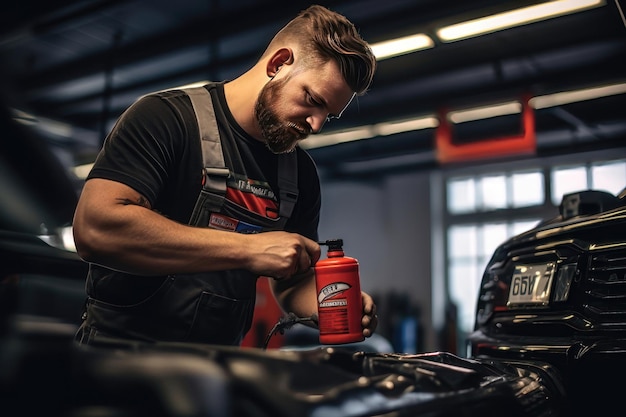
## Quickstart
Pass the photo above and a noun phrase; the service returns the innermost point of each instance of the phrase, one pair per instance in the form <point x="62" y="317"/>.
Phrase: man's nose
<point x="316" y="121"/>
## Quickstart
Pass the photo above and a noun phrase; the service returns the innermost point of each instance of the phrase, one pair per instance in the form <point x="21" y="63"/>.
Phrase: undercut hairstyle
<point x="323" y="35"/>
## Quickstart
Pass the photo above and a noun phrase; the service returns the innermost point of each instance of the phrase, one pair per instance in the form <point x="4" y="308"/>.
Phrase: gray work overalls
<point x="214" y="308"/>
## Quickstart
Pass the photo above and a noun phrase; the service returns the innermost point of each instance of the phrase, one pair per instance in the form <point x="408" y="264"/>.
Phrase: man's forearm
<point x="140" y="241"/>
<point x="297" y="294"/>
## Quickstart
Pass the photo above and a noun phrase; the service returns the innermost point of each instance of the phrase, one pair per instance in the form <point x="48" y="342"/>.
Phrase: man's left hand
<point x="369" y="321"/>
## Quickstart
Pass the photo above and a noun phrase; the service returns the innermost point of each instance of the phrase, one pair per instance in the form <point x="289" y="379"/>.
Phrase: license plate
<point x="530" y="285"/>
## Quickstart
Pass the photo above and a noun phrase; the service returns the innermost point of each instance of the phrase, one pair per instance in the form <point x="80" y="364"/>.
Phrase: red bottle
<point x="340" y="306"/>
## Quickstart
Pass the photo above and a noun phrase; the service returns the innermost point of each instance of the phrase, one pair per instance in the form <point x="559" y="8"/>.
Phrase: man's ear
<point x="283" y="56"/>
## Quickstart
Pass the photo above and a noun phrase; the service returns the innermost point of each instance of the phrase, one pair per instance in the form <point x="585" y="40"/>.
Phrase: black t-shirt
<point x="155" y="149"/>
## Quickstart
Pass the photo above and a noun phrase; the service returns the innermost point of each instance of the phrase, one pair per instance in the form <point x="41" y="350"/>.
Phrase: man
<point x="176" y="237"/>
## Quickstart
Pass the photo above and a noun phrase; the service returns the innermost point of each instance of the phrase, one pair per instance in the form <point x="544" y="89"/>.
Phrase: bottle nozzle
<point x="333" y="244"/>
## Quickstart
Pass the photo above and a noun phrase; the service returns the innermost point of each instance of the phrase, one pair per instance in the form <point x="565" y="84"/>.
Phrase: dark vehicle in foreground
<point x="44" y="374"/>
<point x="557" y="294"/>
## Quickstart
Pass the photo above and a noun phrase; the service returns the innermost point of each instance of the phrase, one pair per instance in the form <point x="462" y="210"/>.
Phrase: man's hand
<point x="281" y="254"/>
<point x="369" y="321"/>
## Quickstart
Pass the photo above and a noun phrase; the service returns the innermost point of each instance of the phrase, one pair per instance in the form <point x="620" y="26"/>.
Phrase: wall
<point x="386" y="226"/>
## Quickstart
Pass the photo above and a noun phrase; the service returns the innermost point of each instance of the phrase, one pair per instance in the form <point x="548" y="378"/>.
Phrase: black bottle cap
<point x="333" y="244"/>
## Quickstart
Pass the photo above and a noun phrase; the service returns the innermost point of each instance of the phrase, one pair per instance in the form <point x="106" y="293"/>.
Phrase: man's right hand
<point x="281" y="254"/>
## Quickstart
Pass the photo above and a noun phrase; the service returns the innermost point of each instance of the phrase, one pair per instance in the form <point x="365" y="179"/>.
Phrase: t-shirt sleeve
<point x="141" y="147"/>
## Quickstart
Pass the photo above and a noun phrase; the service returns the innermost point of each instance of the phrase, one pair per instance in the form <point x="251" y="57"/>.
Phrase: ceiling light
<point x="370" y="131"/>
<point x="566" y="97"/>
<point x="399" y="126"/>
<point x="485" y="112"/>
<point x="81" y="171"/>
<point x="513" y="18"/>
<point x="192" y="85"/>
<point x="327" y="139"/>
<point x="401" y="46"/>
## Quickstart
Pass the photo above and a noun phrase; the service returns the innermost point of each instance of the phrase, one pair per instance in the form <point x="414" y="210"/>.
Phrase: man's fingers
<point x="304" y="261"/>
<point x="313" y="250"/>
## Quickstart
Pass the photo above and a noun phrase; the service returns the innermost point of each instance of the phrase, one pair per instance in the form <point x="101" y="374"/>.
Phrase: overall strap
<point x="215" y="171"/>
<point x="287" y="183"/>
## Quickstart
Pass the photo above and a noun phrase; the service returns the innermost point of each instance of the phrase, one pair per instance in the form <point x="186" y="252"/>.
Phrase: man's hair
<point x="322" y="35"/>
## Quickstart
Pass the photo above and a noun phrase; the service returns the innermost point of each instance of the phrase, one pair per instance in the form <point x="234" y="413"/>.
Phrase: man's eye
<point x="312" y="100"/>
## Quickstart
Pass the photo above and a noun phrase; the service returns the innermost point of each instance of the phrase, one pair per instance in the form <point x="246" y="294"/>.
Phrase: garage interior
<point x="71" y="67"/>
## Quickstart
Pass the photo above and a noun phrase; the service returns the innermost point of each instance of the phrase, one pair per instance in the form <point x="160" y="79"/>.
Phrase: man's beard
<point x="279" y="136"/>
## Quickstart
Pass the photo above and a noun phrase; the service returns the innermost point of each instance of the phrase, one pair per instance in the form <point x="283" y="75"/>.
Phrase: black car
<point x="557" y="293"/>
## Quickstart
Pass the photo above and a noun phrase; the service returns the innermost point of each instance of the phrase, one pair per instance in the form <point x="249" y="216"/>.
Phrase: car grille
<point x="606" y="282"/>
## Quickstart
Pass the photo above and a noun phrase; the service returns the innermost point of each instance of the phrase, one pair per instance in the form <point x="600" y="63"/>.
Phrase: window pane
<point x="461" y="196"/>
<point x="609" y="177"/>
<point x="493" y="192"/>
<point x="463" y="291"/>
<point x="527" y="189"/>
<point x="523" y="226"/>
<point x="493" y="235"/>
<point x="462" y="242"/>
<point x="567" y="180"/>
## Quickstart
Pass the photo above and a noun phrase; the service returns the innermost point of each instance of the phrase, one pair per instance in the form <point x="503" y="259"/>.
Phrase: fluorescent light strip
<point x="370" y="131"/>
<point x="513" y="18"/>
<point x="418" y="42"/>
<point x="566" y="97"/>
<point x="485" y="112"/>
<point x="192" y="85"/>
<point x="391" y="128"/>
<point x="328" y="139"/>
<point x="81" y="171"/>
<point x="401" y="46"/>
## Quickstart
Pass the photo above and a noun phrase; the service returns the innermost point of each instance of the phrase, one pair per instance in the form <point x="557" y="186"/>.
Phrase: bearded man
<point x="198" y="193"/>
